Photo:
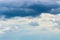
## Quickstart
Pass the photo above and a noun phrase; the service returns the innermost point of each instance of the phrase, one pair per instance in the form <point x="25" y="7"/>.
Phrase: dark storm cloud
<point x="27" y="7"/>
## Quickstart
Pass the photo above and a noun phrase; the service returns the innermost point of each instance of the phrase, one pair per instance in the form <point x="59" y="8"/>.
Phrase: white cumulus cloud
<point x="46" y="22"/>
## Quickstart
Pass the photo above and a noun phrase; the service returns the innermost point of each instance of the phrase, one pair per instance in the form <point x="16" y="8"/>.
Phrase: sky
<point x="29" y="19"/>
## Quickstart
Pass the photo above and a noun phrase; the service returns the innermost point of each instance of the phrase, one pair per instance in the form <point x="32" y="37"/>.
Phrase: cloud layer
<point x="29" y="19"/>
<point x="13" y="8"/>
<point x="46" y="22"/>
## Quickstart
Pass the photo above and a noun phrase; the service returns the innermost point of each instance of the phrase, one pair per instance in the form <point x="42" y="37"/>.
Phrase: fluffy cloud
<point x="46" y="22"/>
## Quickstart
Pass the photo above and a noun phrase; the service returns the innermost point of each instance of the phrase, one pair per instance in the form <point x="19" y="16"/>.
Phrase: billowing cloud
<point x="46" y="22"/>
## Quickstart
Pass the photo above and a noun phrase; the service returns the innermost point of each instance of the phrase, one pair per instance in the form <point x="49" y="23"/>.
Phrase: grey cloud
<point x="56" y="10"/>
<point x="12" y="8"/>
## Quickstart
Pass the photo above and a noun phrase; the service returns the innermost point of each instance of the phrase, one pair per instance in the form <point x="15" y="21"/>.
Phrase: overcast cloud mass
<point x="29" y="19"/>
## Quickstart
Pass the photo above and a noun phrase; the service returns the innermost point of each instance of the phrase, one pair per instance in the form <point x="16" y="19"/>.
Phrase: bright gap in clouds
<point x="44" y="23"/>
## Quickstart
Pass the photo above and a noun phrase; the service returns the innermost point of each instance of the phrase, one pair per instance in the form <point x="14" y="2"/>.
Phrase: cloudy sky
<point x="29" y="19"/>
